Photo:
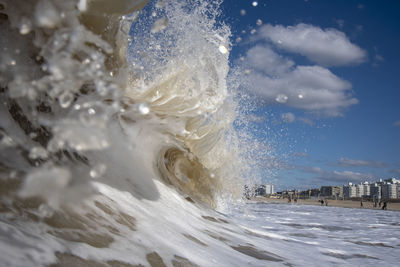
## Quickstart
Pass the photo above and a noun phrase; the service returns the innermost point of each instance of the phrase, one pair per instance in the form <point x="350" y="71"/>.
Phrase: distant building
<point x="269" y="189"/>
<point x="260" y="190"/>
<point x="314" y="192"/>
<point x="398" y="190"/>
<point x="359" y="190"/>
<point x="367" y="189"/>
<point x="349" y="191"/>
<point x="389" y="191"/>
<point x="264" y="189"/>
<point x="375" y="191"/>
<point x="330" y="191"/>
<point x="392" y="181"/>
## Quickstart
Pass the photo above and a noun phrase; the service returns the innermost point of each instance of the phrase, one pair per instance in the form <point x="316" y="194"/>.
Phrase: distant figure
<point x="380" y="204"/>
<point x="375" y="203"/>
<point x="289" y="200"/>
<point x="361" y="204"/>
<point x="322" y="202"/>
<point x="295" y="200"/>
<point x="384" y="205"/>
<point x="326" y="202"/>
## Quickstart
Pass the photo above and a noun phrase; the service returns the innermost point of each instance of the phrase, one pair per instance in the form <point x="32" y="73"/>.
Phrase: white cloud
<point x="311" y="88"/>
<point x="349" y="176"/>
<point x="360" y="163"/>
<point x="288" y="117"/>
<point x="315" y="89"/>
<point x="265" y="60"/>
<point x="338" y="176"/>
<point x="328" y="47"/>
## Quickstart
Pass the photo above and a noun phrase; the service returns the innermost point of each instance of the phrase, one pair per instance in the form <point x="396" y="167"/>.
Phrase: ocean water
<point x="118" y="147"/>
<point x="306" y="235"/>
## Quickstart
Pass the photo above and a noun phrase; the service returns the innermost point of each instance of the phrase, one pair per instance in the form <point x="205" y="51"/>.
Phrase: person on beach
<point x="384" y="205"/>
<point x="361" y="204"/>
<point x="326" y="202"/>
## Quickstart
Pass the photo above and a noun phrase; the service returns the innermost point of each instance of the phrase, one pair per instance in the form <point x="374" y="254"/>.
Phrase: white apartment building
<point x="349" y="191"/>
<point x="269" y="189"/>
<point x="398" y="190"/>
<point x="359" y="190"/>
<point x="389" y="190"/>
<point x="367" y="189"/>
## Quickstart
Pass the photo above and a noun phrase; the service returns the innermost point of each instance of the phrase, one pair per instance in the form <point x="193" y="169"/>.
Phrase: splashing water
<point x="124" y="142"/>
<point x="116" y="120"/>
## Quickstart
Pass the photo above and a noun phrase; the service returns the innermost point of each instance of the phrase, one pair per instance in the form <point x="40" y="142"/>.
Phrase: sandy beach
<point x="334" y="203"/>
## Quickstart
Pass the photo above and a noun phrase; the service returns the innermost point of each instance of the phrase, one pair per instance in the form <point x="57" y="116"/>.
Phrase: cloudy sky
<point x="327" y="77"/>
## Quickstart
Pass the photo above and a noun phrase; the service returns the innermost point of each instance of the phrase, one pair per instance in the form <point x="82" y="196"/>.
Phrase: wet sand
<point x="334" y="203"/>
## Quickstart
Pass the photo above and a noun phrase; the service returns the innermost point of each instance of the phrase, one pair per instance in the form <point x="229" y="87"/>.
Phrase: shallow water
<point x="306" y="235"/>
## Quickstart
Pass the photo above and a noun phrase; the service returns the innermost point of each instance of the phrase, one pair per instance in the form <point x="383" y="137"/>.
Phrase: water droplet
<point x="281" y="98"/>
<point x="65" y="99"/>
<point x="25" y="26"/>
<point x="13" y="62"/>
<point x="255" y="3"/>
<point x="223" y="49"/>
<point x="239" y="39"/>
<point x="144" y="108"/>
<point x="259" y="22"/>
<point x="247" y="71"/>
<point x="5" y="140"/>
<point x="98" y="171"/>
<point x="38" y="152"/>
<point x="45" y="211"/>
<point x="301" y="96"/>
<point x="159" y="25"/>
<point x="212" y="175"/>
<point x="13" y="174"/>
<point x="82" y="5"/>
<point x="91" y="111"/>
<point x="253" y="31"/>
<point x="242" y="12"/>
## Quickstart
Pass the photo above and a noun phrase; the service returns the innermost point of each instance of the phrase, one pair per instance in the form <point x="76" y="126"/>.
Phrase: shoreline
<point x="331" y="203"/>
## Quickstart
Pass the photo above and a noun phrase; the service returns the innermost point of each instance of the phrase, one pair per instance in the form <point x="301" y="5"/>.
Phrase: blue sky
<point x="328" y="77"/>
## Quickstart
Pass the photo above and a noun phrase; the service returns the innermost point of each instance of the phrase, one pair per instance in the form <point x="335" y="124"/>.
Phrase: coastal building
<point x="375" y="191"/>
<point x="264" y="189"/>
<point x="367" y="189"/>
<point x="392" y="181"/>
<point x="330" y="191"/>
<point x="260" y="190"/>
<point x="269" y="189"/>
<point x="359" y="190"/>
<point x="349" y="191"/>
<point x="398" y="190"/>
<point x="389" y="191"/>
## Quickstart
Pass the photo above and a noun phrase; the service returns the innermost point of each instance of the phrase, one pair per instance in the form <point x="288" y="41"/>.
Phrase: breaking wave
<point x="117" y="137"/>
